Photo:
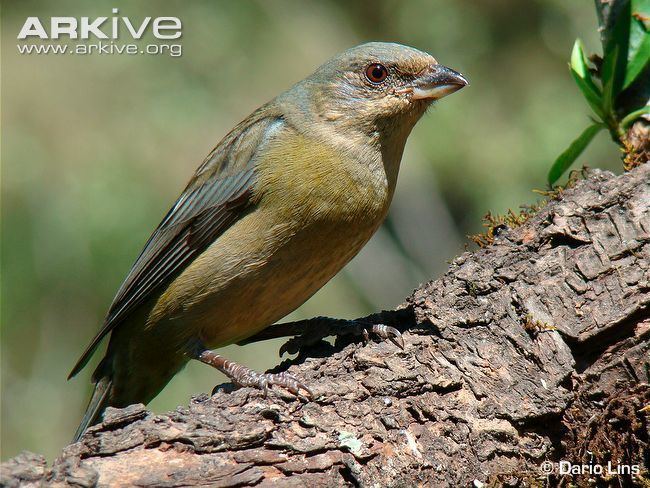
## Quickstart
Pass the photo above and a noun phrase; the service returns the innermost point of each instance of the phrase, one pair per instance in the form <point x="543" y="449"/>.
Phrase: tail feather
<point x="98" y="402"/>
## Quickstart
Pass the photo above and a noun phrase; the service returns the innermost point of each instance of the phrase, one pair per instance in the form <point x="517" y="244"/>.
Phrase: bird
<point x="281" y="204"/>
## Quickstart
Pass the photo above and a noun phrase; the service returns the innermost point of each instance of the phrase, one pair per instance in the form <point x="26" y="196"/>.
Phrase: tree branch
<point x="534" y="348"/>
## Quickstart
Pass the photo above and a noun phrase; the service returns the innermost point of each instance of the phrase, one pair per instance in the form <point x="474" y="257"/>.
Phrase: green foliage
<point x="566" y="159"/>
<point x="582" y="76"/>
<point x="638" y="52"/>
<point x="626" y="53"/>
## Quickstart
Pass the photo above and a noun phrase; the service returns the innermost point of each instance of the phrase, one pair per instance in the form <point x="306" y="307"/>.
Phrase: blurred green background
<point x="96" y="148"/>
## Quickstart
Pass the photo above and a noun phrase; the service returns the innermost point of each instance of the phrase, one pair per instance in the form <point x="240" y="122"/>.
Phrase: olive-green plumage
<point x="280" y="205"/>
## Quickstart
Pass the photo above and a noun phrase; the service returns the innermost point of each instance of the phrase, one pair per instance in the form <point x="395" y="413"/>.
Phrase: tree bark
<point x="532" y="349"/>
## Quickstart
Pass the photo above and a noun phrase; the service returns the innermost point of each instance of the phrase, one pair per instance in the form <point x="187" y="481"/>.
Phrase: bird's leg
<point x="244" y="376"/>
<point x="309" y="332"/>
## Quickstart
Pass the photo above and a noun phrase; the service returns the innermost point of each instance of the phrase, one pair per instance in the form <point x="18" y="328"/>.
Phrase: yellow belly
<point x="255" y="274"/>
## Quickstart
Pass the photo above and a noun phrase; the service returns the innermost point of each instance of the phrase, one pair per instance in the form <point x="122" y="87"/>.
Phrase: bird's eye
<point x="376" y="73"/>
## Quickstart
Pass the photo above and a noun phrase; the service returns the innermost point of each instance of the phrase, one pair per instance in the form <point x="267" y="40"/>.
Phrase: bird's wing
<point x="213" y="200"/>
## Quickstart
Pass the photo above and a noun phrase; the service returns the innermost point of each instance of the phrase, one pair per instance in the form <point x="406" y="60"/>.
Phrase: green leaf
<point x="578" y="60"/>
<point x="593" y="96"/>
<point x="638" y="52"/>
<point x="582" y="76"/>
<point x="631" y="117"/>
<point x="609" y="82"/>
<point x="567" y="158"/>
<point x="615" y="58"/>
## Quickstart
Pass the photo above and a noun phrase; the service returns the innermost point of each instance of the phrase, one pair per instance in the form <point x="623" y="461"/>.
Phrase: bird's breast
<point x="308" y="181"/>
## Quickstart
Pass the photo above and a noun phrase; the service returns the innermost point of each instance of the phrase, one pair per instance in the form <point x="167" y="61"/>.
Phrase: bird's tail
<point x="98" y="402"/>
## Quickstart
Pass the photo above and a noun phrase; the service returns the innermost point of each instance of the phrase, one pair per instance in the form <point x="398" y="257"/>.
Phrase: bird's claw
<point x="387" y="332"/>
<point x="262" y="381"/>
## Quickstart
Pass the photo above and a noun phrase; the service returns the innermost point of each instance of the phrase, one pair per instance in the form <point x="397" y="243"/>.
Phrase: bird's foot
<point x="243" y="376"/>
<point x="263" y="380"/>
<point x="325" y="327"/>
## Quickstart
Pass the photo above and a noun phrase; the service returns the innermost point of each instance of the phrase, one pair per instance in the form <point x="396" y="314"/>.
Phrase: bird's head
<point x="376" y="87"/>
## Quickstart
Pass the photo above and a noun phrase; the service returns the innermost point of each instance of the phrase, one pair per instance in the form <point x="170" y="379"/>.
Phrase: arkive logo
<point x="100" y="27"/>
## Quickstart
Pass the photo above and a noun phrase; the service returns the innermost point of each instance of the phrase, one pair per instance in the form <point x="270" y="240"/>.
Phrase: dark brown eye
<point x="376" y="73"/>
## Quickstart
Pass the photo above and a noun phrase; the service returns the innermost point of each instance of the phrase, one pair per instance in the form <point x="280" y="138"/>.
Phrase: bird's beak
<point x="437" y="82"/>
